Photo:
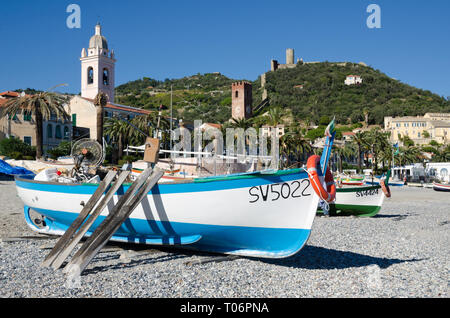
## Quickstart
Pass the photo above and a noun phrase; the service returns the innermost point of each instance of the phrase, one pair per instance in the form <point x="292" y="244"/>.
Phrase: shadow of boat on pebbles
<point x="313" y="257"/>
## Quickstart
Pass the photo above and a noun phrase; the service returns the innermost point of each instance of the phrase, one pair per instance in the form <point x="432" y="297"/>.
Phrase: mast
<point x="171" y="114"/>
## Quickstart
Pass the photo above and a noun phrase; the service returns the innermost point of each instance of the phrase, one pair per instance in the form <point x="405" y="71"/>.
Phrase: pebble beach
<point x="402" y="252"/>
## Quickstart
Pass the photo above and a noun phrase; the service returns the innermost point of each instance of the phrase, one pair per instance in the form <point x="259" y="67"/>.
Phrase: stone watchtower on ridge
<point x="241" y="100"/>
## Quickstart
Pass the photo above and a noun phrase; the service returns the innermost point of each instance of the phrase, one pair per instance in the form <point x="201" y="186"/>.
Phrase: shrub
<point x="63" y="149"/>
<point x="129" y="159"/>
<point x="16" y="155"/>
<point x="14" y="147"/>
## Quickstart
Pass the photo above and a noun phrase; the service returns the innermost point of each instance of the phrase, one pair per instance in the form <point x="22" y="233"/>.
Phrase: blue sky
<point x="174" y="38"/>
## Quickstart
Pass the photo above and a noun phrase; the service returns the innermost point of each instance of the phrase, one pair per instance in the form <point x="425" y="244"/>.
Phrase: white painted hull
<point x="266" y="216"/>
<point x="441" y="187"/>
<point x="362" y="201"/>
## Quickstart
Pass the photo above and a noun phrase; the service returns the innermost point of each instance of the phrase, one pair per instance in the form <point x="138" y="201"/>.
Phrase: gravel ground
<point x="401" y="252"/>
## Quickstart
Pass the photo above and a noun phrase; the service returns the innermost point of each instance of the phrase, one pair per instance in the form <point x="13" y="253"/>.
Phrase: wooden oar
<point x="101" y="228"/>
<point x="85" y="227"/>
<point x="80" y="218"/>
<point x="122" y="215"/>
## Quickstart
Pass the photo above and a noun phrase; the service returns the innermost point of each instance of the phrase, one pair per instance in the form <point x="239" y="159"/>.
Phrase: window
<point x="90" y="75"/>
<point x="236" y="94"/>
<point x="27" y="140"/>
<point x="58" y="134"/>
<point x="66" y="132"/>
<point x="74" y="120"/>
<point x="105" y="77"/>
<point x="49" y="131"/>
<point x="27" y="115"/>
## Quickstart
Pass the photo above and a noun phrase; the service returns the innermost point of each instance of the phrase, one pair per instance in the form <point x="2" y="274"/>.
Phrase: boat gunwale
<point x="251" y="175"/>
<point x="360" y="188"/>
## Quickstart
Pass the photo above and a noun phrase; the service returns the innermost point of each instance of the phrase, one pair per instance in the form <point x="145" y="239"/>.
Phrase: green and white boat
<point x="363" y="201"/>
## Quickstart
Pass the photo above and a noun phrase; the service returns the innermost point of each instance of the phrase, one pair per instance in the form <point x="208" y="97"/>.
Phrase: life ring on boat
<point x="385" y="188"/>
<point x="328" y="194"/>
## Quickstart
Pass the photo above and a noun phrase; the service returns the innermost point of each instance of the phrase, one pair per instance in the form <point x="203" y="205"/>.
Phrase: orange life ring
<point x="385" y="188"/>
<point x="329" y="194"/>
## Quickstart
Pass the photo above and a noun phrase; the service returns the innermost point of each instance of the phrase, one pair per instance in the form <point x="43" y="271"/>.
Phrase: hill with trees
<point x="323" y="92"/>
<point x="202" y="96"/>
<point x="308" y="91"/>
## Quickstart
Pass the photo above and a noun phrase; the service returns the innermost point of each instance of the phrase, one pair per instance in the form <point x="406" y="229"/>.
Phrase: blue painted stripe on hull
<point x="389" y="184"/>
<point x="168" y="188"/>
<point x="250" y="241"/>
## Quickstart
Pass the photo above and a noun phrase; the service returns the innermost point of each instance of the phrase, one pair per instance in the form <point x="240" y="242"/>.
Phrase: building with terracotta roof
<point x="348" y="135"/>
<point x="83" y="114"/>
<point x="353" y="80"/>
<point x="9" y="94"/>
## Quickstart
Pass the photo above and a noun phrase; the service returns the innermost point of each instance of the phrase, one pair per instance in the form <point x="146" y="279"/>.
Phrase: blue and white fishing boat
<point x="262" y="214"/>
<point x="376" y="181"/>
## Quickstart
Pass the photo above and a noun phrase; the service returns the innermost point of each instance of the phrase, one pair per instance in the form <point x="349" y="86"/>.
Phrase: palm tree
<point x="443" y="155"/>
<point x="148" y="124"/>
<point x="286" y="147"/>
<point x="43" y="105"/>
<point x="343" y="152"/>
<point x="360" y="140"/>
<point x="119" y="131"/>
<point x="301" y="145"/>
<point x="294" y="144"/>
<point x="274" y="117"/>
<point x="376" y="142"/>
<point x="241" y="123"/>
<point x="408" y="155"/>
<point x="100" y="101"/>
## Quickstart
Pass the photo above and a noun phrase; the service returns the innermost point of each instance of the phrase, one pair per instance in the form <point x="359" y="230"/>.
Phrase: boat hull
<point x="359" y="201"/>
<point x="253" y="215"/>
<point x="390" y="183"/>
<point x="441" y="187"/>
<point x="353" y="183"/>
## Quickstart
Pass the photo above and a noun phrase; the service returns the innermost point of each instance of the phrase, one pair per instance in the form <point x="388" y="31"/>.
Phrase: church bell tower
<point x="97" y="67"/>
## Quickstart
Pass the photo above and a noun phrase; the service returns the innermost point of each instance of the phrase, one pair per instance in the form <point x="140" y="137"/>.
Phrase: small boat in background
<point x="363" y="201"/>
<point x="441" y="187"/>
<point x="169" y="175"/>
<point x="353" y="180"/>
<point x="391" y="183"/>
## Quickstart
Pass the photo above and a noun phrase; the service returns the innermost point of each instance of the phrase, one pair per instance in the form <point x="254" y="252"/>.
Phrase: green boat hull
<point x="355" y="210"/>
<point x="357" y="201"/>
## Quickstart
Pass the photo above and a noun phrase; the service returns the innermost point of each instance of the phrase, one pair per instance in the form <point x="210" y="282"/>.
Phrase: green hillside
<point x="202" y="96"/>
<point x="208" y="96"/>
<point x="324" y="93"/>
